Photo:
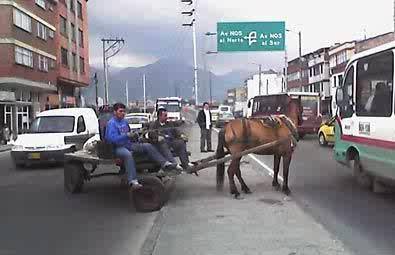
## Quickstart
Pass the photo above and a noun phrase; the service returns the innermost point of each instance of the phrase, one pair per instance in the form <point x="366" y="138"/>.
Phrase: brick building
<point x="298" y="74"/>
<point x="33" y="76"/>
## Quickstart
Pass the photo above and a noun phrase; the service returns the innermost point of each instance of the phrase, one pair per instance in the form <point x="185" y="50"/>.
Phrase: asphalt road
<point x="361" y="219"/>
<point x="37" y="217"/>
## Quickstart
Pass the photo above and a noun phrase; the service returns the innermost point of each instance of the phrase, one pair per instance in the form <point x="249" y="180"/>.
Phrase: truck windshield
<point x="170" y="107"/>
<point x="53" y="124"/>
<point x="309" y="105"/>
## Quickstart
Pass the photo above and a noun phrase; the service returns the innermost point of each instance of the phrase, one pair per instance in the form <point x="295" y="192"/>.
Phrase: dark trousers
<point x="205" y="136"/>
<point x="180" y="149"/>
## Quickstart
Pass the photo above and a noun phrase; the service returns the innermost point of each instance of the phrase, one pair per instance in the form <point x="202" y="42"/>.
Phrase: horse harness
<point x="268" y="122"/>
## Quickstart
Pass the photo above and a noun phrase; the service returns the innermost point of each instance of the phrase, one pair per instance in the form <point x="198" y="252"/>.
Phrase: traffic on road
<point x="193" y="127"/>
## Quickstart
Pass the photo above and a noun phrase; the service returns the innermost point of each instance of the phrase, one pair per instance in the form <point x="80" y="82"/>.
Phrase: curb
<point x="149" y="244"/>
<point x="5" y="148"/>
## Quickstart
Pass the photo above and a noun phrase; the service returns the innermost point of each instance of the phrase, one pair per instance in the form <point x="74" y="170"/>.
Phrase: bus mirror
<point x="249" y="104"/>
<point x="339" y="96"/>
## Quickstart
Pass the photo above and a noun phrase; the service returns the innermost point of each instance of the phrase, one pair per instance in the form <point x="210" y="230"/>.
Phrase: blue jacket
<point x="116" y="132"/>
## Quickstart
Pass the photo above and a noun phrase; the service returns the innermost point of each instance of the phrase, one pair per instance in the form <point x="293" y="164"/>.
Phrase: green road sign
<point x="250" y="36"/>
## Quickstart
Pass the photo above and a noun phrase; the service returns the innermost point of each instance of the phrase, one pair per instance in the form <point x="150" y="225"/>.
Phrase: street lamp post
<point x="260" y="77"/>
<point x="208" y="53"/>
<point x="300" y="56"/>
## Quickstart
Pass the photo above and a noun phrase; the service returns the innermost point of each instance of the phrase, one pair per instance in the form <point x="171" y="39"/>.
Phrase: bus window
<point x="375" y="85"/>
<point x="346" y="106"/>
<point x="309" y="106"/>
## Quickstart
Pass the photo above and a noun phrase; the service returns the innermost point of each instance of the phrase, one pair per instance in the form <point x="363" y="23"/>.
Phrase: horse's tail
<point x="220" y="154"/>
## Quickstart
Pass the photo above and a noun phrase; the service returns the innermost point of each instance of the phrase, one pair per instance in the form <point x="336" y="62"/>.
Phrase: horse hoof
<point x="276" y="186"/>
<point x="286" y="191"/>
<point x="238" y="197"/>
<point x="247" y="191"/>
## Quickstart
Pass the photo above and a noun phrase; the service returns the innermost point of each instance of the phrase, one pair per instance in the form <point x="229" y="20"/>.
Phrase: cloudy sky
<point x="152" y="29"/>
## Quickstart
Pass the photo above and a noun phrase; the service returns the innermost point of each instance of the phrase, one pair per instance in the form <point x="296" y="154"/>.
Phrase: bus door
<point x="345" y="102"/>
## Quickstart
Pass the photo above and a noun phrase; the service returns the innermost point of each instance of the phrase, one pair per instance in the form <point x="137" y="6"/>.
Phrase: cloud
<point x="152" y="29"/>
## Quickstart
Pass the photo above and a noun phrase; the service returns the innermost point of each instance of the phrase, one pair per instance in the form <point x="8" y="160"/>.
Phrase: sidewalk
<point x="201" y="221"/>
<point x="5" y="147"/>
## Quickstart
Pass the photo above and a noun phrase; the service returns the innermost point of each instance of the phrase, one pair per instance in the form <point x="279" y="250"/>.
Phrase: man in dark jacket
<point x="205" y="121"/>
<point x="119" y="135"/>
<point x="169" y="137"/>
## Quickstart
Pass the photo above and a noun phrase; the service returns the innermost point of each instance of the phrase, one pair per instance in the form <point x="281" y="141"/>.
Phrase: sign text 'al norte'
<point x="250" y="36"/>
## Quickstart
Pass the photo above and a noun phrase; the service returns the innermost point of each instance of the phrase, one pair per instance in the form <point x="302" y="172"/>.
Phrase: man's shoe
<point x="203" y="151"/>
<point x="179" y="168"/>
<point x="134" y="185"/>
<point x="169" y="166"/>
<point x="210" y="151"/>
<point x="190" y="164"/>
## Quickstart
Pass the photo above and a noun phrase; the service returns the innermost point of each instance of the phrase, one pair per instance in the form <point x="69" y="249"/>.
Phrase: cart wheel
<point x="73" y="177"/>
<point x="151" y="196"/>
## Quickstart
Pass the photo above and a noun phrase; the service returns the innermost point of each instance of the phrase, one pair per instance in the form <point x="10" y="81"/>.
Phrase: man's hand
<point x="132" y="135"/>
<point x="161" y="138"/>
<point x="184" y="137"/>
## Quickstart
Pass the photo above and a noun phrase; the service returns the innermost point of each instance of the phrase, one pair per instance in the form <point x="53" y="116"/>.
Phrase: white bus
<point x="365" y="128"/>
<point x="173" y="107"/>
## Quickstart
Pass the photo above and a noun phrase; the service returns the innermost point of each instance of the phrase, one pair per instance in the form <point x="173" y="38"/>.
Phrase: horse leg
<point x="231" y="175"/>
<point x="277" y="159"/>
<point x="244" y="186"/>
<point x="286" y="162"/>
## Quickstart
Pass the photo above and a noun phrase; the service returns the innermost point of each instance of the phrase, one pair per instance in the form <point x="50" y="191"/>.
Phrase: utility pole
<point x="192" y="13"/>
<point x="267" y="87"/>
<point x="260" y="78"/>
<point x="144" y="96"/>
<point x="300" y="61"/>
<point x="211" y="88"/>
<point x="111" y="47"/>
<point x="96" y="91"/>
<point x="127" y="93"/>
<point x="205" y="63"/>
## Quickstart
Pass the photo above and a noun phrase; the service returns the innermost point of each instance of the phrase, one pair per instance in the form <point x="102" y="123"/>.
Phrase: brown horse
<point x="243" y="134"/>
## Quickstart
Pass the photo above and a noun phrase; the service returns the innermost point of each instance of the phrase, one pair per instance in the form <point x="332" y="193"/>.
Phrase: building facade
<point x="31" y="73"/>
<point x="339" y="55"/>
<point x="272" y="82"/>
<point x="72" y="51"/>
<point x="297" y="74"/>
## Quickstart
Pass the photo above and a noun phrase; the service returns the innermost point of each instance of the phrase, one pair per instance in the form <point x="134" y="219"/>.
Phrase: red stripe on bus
<point x="369" y="141"/>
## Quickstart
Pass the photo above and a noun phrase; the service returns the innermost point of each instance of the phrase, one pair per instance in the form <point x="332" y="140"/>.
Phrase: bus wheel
<point x="362" y="178"/>
<point x="321" y="139"/>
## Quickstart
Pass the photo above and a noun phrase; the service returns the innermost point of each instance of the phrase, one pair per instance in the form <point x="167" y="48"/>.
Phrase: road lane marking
<point x="269" y="170"/>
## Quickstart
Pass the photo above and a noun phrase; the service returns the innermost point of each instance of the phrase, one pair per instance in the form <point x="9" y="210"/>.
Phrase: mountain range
<point x="166" y="77"/>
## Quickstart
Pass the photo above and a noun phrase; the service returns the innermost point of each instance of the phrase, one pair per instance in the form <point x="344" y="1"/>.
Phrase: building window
<point x="63" y="26"/>
<point x="42" y="63"/>
<point x="79" y="10"/>
<point x="311" y="72"/>
<point x="375" y="85"/>
<point x="42" y="31"/>
<point x="80" y="38"/>
<point x="23" y="56"/>
<point x="82" y="65"/>
<point x="41" y="3"/>
<point x="22" y="20"/>
<point x="72" y="32"/>
<point x="51" y="33"/>
<point x="72" y="6"/>
<point x="334" y="81"/>
<point x="74" y="62"/>
<point x="64" y="58"/>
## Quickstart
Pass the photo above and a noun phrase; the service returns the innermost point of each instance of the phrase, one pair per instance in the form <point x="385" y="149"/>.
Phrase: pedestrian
<point x="204" y="119"/>
<point x="119" y="135"/>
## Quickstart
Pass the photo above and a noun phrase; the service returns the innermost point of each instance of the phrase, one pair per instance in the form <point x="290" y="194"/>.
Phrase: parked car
<point x="326" y="133"/>
<point x="44" y="141"/>
<point x="224" y="118"/>
<point x="137" y="120"/>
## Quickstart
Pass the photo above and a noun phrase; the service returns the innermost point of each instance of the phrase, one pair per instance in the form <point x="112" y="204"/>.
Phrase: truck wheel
<point x="321" y="139"/>
<point x="151" y="196"/>
<point x="362" y="178"/>
<point x="73" y="177"/>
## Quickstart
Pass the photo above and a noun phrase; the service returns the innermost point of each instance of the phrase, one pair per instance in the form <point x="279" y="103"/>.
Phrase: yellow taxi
<point x="326" y="133"/>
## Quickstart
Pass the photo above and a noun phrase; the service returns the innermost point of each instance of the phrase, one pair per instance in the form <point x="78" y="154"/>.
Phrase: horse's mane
<point x="289" y="120"/>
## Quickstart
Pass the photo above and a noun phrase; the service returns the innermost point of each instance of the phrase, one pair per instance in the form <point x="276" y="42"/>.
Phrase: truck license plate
<point x="34" y="156"/>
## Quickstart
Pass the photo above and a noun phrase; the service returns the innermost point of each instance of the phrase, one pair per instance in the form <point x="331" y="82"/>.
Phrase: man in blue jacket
<point x="118" y="133"/>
